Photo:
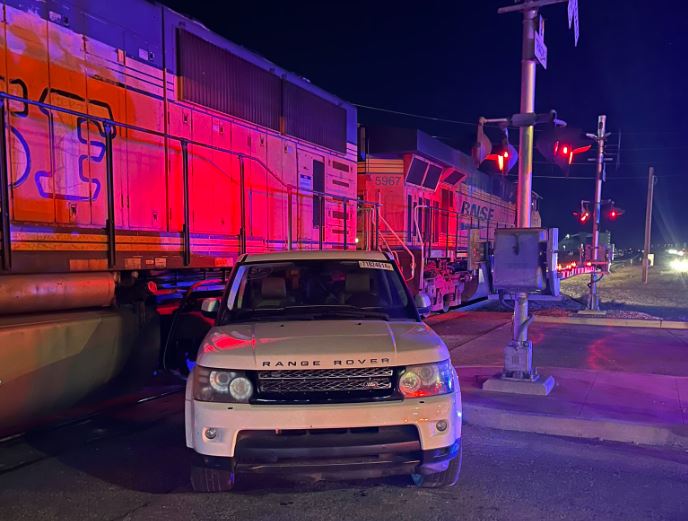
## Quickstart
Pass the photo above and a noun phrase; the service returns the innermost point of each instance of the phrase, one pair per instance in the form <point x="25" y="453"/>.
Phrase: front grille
<point x="326" y="385"/>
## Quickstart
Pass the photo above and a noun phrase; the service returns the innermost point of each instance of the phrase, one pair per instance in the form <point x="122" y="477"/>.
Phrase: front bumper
<point x="357" y="439"/>
<point x="352" y="461"/>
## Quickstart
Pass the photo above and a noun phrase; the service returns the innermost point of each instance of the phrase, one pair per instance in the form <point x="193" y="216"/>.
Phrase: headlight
<point x="417" y="381"/>
<point x="221" y="385"/>
<point x="679" y="265"/>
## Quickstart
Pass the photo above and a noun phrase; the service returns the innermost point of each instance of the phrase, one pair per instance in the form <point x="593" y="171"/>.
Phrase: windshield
<point x="317" y="290"/>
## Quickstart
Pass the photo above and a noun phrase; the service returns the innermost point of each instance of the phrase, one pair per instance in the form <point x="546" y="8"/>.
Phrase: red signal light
<point x="614" y="213"/>
<point x="502" y="159"/>
<point x="584" y="217"/>
<point x="564" y="150"/>
<point x="581" y="150"/>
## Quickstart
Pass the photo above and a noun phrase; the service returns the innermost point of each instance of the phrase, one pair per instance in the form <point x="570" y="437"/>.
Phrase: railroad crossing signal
<point x="504" y="156"/>
<point x="585" y="212"/>
<point x="614" y="212"/>
<point x="611" y="211"/>
<point x="560" y="145"/>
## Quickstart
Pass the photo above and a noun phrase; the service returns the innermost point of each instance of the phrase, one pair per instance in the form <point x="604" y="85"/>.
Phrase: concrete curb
<point x="610" y="430"/>
<point x="613" y="322"/>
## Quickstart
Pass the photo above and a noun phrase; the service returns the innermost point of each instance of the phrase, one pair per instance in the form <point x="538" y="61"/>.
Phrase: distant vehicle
<point x="319" y="364"/>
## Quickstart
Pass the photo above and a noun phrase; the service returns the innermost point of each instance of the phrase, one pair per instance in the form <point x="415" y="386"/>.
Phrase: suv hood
<point x="325" y="344"/>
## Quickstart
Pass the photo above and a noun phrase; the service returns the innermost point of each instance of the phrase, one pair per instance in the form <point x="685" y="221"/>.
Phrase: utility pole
<point x="600" y="137"/>
<point x="648" y="222"/>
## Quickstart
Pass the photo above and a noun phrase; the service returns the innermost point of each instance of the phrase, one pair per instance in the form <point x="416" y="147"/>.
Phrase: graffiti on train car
<point x="17" y="135"/>
<point x="71" y="132"/>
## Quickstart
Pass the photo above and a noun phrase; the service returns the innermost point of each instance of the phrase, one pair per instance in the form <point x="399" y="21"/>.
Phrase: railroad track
<point x="103" y="422"/>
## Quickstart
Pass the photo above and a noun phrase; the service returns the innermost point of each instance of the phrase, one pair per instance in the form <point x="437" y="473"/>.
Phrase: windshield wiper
<point x="309" y="313"/>
<point x="342" y="310"/>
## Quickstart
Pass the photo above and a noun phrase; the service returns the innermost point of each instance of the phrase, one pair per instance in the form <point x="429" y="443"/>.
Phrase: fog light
<point x="211" y="433"/>
<point x="441" y="425"/>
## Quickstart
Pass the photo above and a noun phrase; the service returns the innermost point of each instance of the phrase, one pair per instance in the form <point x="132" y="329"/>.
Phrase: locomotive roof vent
<point x="452" y="176"/>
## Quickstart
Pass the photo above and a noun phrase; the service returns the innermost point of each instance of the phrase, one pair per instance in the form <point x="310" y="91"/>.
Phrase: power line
<point x="589" y="178"/>
<point x="419" y="116"/>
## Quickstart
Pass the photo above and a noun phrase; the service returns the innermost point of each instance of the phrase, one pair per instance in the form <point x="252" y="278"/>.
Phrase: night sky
<point x="459" y="60"/>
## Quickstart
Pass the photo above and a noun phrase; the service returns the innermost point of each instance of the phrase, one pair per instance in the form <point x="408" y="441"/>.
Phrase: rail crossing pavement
<point x="129" y="461"/>
<point x="617" y="383"/>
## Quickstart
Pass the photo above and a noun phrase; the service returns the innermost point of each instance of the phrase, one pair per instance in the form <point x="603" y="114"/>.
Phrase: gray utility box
<point x="520" y="259"/>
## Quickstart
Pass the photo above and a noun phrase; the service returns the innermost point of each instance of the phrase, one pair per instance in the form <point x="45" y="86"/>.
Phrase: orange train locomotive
<point x="135" y="144"/>
<point x="438" y="212"/>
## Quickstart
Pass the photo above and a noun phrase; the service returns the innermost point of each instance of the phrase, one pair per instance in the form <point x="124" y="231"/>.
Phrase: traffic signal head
<point x="561" y="145"/>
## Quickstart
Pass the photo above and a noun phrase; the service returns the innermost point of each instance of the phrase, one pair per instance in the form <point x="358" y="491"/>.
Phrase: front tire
<point x="206" y="478"/>
<point x="447" y="478"/>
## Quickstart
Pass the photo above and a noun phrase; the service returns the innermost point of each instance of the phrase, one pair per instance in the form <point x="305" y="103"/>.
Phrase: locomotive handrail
<point x="108" y="125"/>
<point x="136" y="128"/>
<point x="416" y="214"/>
<point x="419" y="233"/>
<point x="403" y="245"/>
<point x="4" y="196"/>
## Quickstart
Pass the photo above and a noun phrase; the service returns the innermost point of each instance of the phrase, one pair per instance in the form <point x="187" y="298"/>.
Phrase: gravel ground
<point x="622" y="295"/>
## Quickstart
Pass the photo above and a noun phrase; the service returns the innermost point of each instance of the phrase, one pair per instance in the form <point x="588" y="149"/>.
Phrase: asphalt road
<point x="479" y="338"/>
<point x="132" y="465"/>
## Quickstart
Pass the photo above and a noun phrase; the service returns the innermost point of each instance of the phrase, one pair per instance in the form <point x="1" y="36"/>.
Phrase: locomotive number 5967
<point x="387" y="180"/>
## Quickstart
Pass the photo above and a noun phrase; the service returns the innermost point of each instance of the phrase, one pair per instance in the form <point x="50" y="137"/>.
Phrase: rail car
<point x="137" y="142"/>
<point x="139" y="151"/>
<point x="438" y="211"/>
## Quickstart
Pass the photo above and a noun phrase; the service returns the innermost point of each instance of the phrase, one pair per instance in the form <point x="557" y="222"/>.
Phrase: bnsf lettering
<point x="477" y="211"/>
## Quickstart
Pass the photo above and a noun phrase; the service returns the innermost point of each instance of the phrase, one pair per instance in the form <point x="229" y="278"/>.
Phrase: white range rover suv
<point x="319" y="364"/>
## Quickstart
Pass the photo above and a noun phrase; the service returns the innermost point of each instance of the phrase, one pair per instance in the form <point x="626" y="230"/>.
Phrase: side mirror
<point x="423" y="304"/>
<point x="210" y="307"/>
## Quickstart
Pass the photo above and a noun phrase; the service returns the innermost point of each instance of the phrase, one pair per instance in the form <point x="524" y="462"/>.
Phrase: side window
<point x="318" y="186"/>
<point x="428" y="219"/>
<point x="409" y="218"/>
<point x="399" y="296"/>
<point x="436" y="217"/>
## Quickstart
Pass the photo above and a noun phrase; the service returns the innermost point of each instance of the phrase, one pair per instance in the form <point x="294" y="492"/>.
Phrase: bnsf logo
<point x="475" y="210"/>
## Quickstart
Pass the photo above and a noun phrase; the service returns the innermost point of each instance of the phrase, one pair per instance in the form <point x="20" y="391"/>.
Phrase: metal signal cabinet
<point x="433" y="199"/>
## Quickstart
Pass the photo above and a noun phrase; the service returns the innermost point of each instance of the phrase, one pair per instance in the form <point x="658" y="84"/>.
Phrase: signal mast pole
<point x="600" y="137"/>
<point x="525" y="165"/>
<point x="525" y="159"/>
<point x="520" y="347"/>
